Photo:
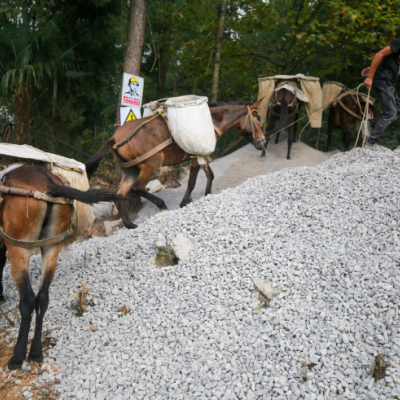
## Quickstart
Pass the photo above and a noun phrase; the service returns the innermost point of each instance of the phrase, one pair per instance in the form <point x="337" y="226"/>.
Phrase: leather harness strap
<point x="39" y="196"/>
<point x="218" y="131"/>
<point x="348" y="110"/>
<point x="147" y="155"/>
<point x="36" y="243"/>
<point x="132" y="134"/>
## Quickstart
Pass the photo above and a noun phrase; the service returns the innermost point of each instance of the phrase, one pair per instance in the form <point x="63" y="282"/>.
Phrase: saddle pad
<point x="10" y="150"/>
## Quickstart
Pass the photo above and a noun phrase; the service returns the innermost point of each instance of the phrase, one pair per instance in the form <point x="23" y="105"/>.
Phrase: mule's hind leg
<point x="49" y="265"/>
<point x="20" y="273"/>
<point x="3" y="251"/>
<point x="123" y="189"/>
<point x="148" y="169"/>
<point x="58" y="219"/>
<point x="194" y="171"/>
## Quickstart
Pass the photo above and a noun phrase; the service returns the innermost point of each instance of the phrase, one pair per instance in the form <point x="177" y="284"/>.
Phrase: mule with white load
<point x="176" y="130"/>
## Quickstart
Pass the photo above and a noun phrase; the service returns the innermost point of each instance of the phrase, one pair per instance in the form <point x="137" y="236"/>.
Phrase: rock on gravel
<point x="327" y="239"/>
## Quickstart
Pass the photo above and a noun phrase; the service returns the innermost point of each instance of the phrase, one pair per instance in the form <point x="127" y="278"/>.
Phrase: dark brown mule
<point x="29" y="219"/>
<point x="287" y="113"/>
<point x="152" y="134"/>
<point x="341" y="118"/>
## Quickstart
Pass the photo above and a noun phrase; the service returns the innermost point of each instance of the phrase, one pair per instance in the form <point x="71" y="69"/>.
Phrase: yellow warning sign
<point x="131" y="116"/>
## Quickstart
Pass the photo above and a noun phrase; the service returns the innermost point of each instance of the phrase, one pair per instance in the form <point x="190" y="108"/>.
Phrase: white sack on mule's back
<point x="191" y="124"/>
<point x="83" y="216"/>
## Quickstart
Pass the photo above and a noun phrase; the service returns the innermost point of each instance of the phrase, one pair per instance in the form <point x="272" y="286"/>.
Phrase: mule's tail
<point x="91" y="196"/>
<point x="95" y="161"/>
<point x="282" y="119"/>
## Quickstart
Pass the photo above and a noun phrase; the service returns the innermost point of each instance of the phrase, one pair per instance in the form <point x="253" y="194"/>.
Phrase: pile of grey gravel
<point x="327" y="239"/>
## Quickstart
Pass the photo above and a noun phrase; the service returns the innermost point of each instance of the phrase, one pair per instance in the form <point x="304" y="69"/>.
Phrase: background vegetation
<point x="61" y="61"/>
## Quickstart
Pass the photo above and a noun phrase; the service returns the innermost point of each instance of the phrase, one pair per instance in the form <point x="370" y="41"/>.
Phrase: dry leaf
<point x="93" y="326"/>
<point x="124" y="310"/>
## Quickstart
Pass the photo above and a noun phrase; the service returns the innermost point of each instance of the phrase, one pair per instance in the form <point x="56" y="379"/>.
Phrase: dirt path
<point x="234" y="169"/>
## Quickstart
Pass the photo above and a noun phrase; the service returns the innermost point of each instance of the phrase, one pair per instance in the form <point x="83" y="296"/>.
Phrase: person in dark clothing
<point x="382" y="76"/>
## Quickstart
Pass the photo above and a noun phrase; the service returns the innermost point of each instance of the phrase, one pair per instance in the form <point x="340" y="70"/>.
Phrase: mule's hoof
<point x="163" y="209"/>
<point x="13" y="364"/>
<point x="131" y="226"/>
<point x="35" y="357"/>
<point x="2" y="299"/>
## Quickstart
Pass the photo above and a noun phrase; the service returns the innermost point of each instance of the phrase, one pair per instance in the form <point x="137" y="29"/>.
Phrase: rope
<point x="355" y="90"/>
<point x="305" y="126"/>
<point x="364" y="120"/>
<point x="127" y="139"/>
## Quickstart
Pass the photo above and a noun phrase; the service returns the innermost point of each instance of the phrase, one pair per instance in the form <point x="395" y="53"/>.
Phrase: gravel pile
<point x="327" y="240"/>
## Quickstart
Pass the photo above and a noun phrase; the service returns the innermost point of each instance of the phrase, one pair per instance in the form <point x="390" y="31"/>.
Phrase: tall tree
<point x="137" y="28"/>
<point x="134" y="46"/>
<point x="218" y="47"/>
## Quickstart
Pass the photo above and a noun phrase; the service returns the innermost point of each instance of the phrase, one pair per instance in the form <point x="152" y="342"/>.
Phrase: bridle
<point x="253" y="123"/>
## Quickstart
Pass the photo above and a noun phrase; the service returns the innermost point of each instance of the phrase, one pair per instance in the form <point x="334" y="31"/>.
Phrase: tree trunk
<point x="22" y="102"/>
<point x="218" y="46"/>
<point x="133" y="60"/>
<point x="137" y="25"/>
<point x="134" y="46"/>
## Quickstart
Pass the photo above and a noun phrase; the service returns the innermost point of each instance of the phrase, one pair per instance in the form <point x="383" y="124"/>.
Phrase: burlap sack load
<point x="310" y="86"/>
<point x="72" y="170"/>
<point x="334" y="91"/>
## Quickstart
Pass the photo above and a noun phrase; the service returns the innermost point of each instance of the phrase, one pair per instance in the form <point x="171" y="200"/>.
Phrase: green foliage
<point x="71" y="54"/>
<point x="30" y="55"/>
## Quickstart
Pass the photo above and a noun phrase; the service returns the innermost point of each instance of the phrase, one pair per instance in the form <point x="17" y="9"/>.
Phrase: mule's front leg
<point x="49" y="265"/>
<point x="20" y="273"/>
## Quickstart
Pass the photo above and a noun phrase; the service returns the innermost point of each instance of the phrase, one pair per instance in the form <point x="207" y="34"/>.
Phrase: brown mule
<point x="29" y="219"/>
<point x="287" y="113"/>
<point x="339" y="117"/>
<point x="154" y="133"/>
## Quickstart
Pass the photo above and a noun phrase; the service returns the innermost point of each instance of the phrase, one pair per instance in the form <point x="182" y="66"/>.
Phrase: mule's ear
<point x="256" y="104"/>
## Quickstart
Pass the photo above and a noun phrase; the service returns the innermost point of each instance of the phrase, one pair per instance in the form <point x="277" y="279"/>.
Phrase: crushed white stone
<point x="327" y="239"/>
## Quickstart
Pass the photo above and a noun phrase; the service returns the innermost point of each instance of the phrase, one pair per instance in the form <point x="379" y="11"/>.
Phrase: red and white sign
<point x="132" y="90"/>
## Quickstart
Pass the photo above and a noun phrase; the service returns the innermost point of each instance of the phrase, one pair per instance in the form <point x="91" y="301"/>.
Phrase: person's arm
<point x="376" y="61"/>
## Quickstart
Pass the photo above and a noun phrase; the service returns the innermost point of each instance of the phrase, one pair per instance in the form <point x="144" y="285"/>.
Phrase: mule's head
<point x="284" y="95"/>
<point x="250" y="126"/>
